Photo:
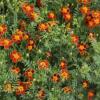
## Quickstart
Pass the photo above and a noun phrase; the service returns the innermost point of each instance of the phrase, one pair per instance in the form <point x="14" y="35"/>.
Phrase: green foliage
<point x="57" y="40"/>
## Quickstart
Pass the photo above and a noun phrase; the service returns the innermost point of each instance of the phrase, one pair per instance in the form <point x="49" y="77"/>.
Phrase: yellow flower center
<point x="28" y="8"/>
<point x="17" y="37"/>
<point x="16" y="56"/>
<point x="6" y="42"/>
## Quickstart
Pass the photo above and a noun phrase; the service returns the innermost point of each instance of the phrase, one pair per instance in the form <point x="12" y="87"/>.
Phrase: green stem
<point x="14" y="13"/>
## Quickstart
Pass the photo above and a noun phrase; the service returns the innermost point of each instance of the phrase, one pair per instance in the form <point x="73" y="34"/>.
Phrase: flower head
<point x="6" y="43"/>
<point x="27" y="8"/>
<point x="42" y="27"/>
<point x="3" y="29"/>
<point x="65" y="10"/>
<point x="51" y="15"/>
<point x="15" y="70"/>
<point x="43" y="64"/>
<point x="55" y="78"/>
<point x="74" y="38"/>
<point x="67" y="89"/>
<point x="15" y="56"/>
<point x="29" y="74"/>
<point x="65" y="74"/>
<point x="20" y="90"/>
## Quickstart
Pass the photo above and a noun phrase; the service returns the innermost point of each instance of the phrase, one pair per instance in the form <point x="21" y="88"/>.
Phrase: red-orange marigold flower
<point x="84" y="10"/>
<point x="5" y="42"/>
<point x="63" y="64"/>
<point x="90" y="94"/>
<point x="43" y="64"/>
<point x="65" y="74"/>
<point x="33" y="16"/>
<point x="74" y="38"/>
<point x="29" y="74"/>
<point x="65" y="10"/>
<point x="15" y="70"/>
<point x="55" y="78"/>
<point x="31" y="42"/>
<point x="42" y="26"/>
<point x="41" y="94"/>
<point x="27" y="8"/>
<point x="67" y="17"/>
<point x="15" y="56"/>
<point x="85" y="84"/>
<point x="29" y="47"/>
<point x="67" y="89"/>
<point x="51" y="15"/>
<point x="92" y="19"/>
<point x="3" y="29"/>
<point x="82" y="48"/>
<point x="17" y="38"/>
<point x="20" y="90"/>
<point x="26" y="36"/>
<point x="26" y="84"/>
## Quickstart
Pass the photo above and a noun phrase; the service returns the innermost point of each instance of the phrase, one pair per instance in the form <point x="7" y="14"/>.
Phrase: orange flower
<point x="16" y="38"/>
<point x="85" y="84"/>
<point x="67" y="89"/>
<point x="41" y="94"/>
<point x="26" y="37"/>
<point x="90" y="24"/>
<point x="92" y="19"/>
<point x="95" y="14"/>
<point x="27" y="8"/>
<point x="33" y="16"/>
<point x="3" y="29"/>
<point x="26" y="84"/>
<point x="82" y="48"/>
<point x="67" y="17"/>
<point x="20" y="90"/>
<point x="31" y="42"/>
<point x="15" y="70"/>
<point x="5" y="42"/>
<point x="51" y="15"/>
<point x="29" y="74"/>
<point x="65" y="10"/>
<point x="84" y="10"/>
<point x="15" y="56"/>
<point x="55" y="78"/>
<point x="43" y="64"/>
<point x="42" y="27"/>
<point x="63" y="64"/>
<point x="74" y="38"/>
<point x="65" y="74"/>
<point x="96" y="21"/>
<point x="90" y="94"/>
<point x="30" y="45"/>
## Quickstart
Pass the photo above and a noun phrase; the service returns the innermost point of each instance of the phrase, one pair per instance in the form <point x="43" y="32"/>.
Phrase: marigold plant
<point x="49" y="49"/>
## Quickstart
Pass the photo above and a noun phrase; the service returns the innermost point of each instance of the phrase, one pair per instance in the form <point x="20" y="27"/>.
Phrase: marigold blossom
<point x="3" y="29"/>
<point x="15" y="56"/>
